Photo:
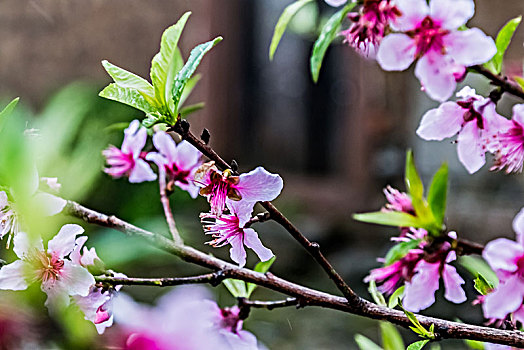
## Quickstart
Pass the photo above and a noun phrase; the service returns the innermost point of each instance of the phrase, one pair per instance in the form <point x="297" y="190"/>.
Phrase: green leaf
<point x="283" y="21"/>
<point x="502" y="42"/>
<point x="327" y="34"/>
<point x="127" y="96"/>
<point x="396" y="297"/>
<point x="391" y="339"/>
<point x="261" y="267"/>
<point x="417" y="345"/>
<point x="412" y="178"/>
<point x="152" y="119"/>
<point x="6" y="112"/>
<point x="365" y="343"/>
<point x="237" y="288"/>
<point x="167" y="61"/>
<point x="377" y="296"/>
<point x="191" y="109"/>
<point x="129" y="80"/>
<point x="389" y="218"/>
<point x="116" y="127"/>
<point x="474" y="344"/>
<point x="190" y="85"/>
<point x="400" y="250"/>
<point x="476" y="266"/>
<point x="482" y="285"/>
<point x="189" y="68"/>
<point x="437" y="194"/>
<point x="435" y="346"/>
<point x="520" y="81"/>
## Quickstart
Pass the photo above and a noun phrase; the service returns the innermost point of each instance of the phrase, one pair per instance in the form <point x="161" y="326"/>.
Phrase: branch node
<point x="205" y="136"/>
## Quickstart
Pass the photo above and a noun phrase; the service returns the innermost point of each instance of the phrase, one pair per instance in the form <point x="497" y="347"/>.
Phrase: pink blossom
<point x="59" y="277"/>
<point x="398" y="201"/>
<point x="184" y="319"/>
<point x="509" y="144"/>
<point x="506" y="258"/>
<point x="420" y="291"/>
<point x="127" y="161"/>
<point x="229" y="229"/>
<point x="257" y="185"/>
<point x="178" y="162"/>
<point x="370" y="25"/>
<point x="229" y="325"/>
<point x="429" y="35"/>
<point x="473" y="118"/>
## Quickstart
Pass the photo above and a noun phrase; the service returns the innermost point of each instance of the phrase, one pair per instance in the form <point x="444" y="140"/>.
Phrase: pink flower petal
<point x="502" y="254"/>
<point x="158" y="159"/>
<point x="237" y="251"/>
<point x="141" y="172"/>
<point x="64" y="242"/>
<point x="413" y="11"/>
<point x="396" y="52"/>
<point x="24" y="245"/>
<point x="13" y="276"/>
<point x="518" y="223"/>
<point x="435" y="73"/>
<point x="187" y="156"/>
<point x="335" y="3"/>
<point x="442" y="122"/>
<point x="252" y="241"/>
<point x="48" y="204"/>
<point x="135" y="137"/>
<point x="166" y="146"/>
<point x="518" y="114"/>
<point x="470" y="148"/>
<point x="76" y="254"/>
<point x="452" y="283"/>
<point x="76" y="279"/>
<point x="57" y="297"/>
<point x="3" y="200"/>
<point x="469" y="47"/>
<point x="259" y="185"/>
<point x="505" y="299"/>
<point x="242" y="209"/>
<point x="420" y="292"/>
<point x="452" y="13"/>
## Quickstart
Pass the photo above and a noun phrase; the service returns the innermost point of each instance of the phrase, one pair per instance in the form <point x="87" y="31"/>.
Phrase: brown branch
<point x="313" y="248"/>
<point x="270" y="305"/>
<point x="443" y="329"/>
<point x="168" y="212"/>
<point x="261" y="217"/>
<point x="503" y="82"/>
<point x="213" y="279"/>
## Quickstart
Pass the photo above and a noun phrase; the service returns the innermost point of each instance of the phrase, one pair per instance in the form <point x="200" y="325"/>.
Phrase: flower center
<point x="221" y="186"/>
<point x="470" y="113"/>
<point x="176" y="174"/>
<point x="428" y="36"/>
<point x="48" y="267"/>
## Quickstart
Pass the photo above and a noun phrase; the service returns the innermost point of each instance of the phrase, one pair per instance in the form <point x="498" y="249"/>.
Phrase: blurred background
<point x="336" y="144"/>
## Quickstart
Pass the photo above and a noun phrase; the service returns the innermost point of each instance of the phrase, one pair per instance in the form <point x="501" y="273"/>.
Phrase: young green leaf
<point x="502" y="42"/>
<point x="437" y="194"/>
<point x="127" y="96"/>
<point x="237" y="288"/>
<point x="400" y="250"/>
<point x="412" y="178"/>
<point x="482" y="285"/>
<point x="185" y="111"/>
<point x="474" y="344"/>
<point x="365" y="343"/>
<point x="377" y="296"/>
<point x="261" y="267"/>
<point x="417" y="345"/>
<point x="129" y="80"/>
<point x="389" y="218"/>
<point x="6" y="112"/>
<point x="168" y="61"/>
<point x="283" y="21"/>
<point x="391" y="339"/>
<point x="477" y="266"/>
<point x="327" y="34"/>
<point x="189" y="68"/>
<point x="396" y="297"/>
<point x="190" y="85"/>
<point x="520" y="81"/>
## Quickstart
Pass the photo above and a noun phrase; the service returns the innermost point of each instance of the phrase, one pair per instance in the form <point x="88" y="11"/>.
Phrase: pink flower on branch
<point x="58" y="276"/>
<point x="178" y="162"/>
<point x="257" y="185"/>
<point x="430" y="35"/>
<point x="509" y="143"/>
<point x="229" y="229"/>
<point x="128" y="161"/>
<point x="473" y="118"/>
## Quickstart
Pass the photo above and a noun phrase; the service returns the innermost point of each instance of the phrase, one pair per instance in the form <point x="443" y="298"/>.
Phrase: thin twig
<point x="168" y="212"/>
<point x="443" y="328"/>
<point x="213" y="279"/>
<point x="313" y="248"/>
<point x="503" y="82"/>
<point x="270" y="305"/>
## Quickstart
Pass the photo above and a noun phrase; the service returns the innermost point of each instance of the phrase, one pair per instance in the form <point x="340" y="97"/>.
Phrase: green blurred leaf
<point x="396" y="297"/>
<point x="283" y="21"/>
<point x="412" y="178"/>
<point x="435" y="346"/>
<point x="520" y="81"/>
<point x="437" y="194"/>
<point x="126" y="79"/>
<point x="127" y="96"/>
<point x="168" y="61"/>
<point x="120" y="126"/>
<point x="482" y="285"/>
<point x="191" y="109"/>
<point x="189" y="68"/>
<point x="365" y="343"/>
<point x="377" y="296"/>
<point x="389" y="218"/>
<point x="477" y="266"/>
<point x="400" y="250"/>
<point x="391" y="338"/>
<point x="502" y="42"/>
<point x="237" y="288"/>
<point x="417" y="345"/>
<point x="7" y="111"/>
<point x="327" y="34"/>
<point x="475" y="345"/>
<point x="261" y="267"/>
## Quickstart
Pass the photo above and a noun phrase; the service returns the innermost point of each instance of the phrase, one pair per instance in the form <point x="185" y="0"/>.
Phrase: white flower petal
<point x="13" y="276"/>
<point x="64" y="241"/>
